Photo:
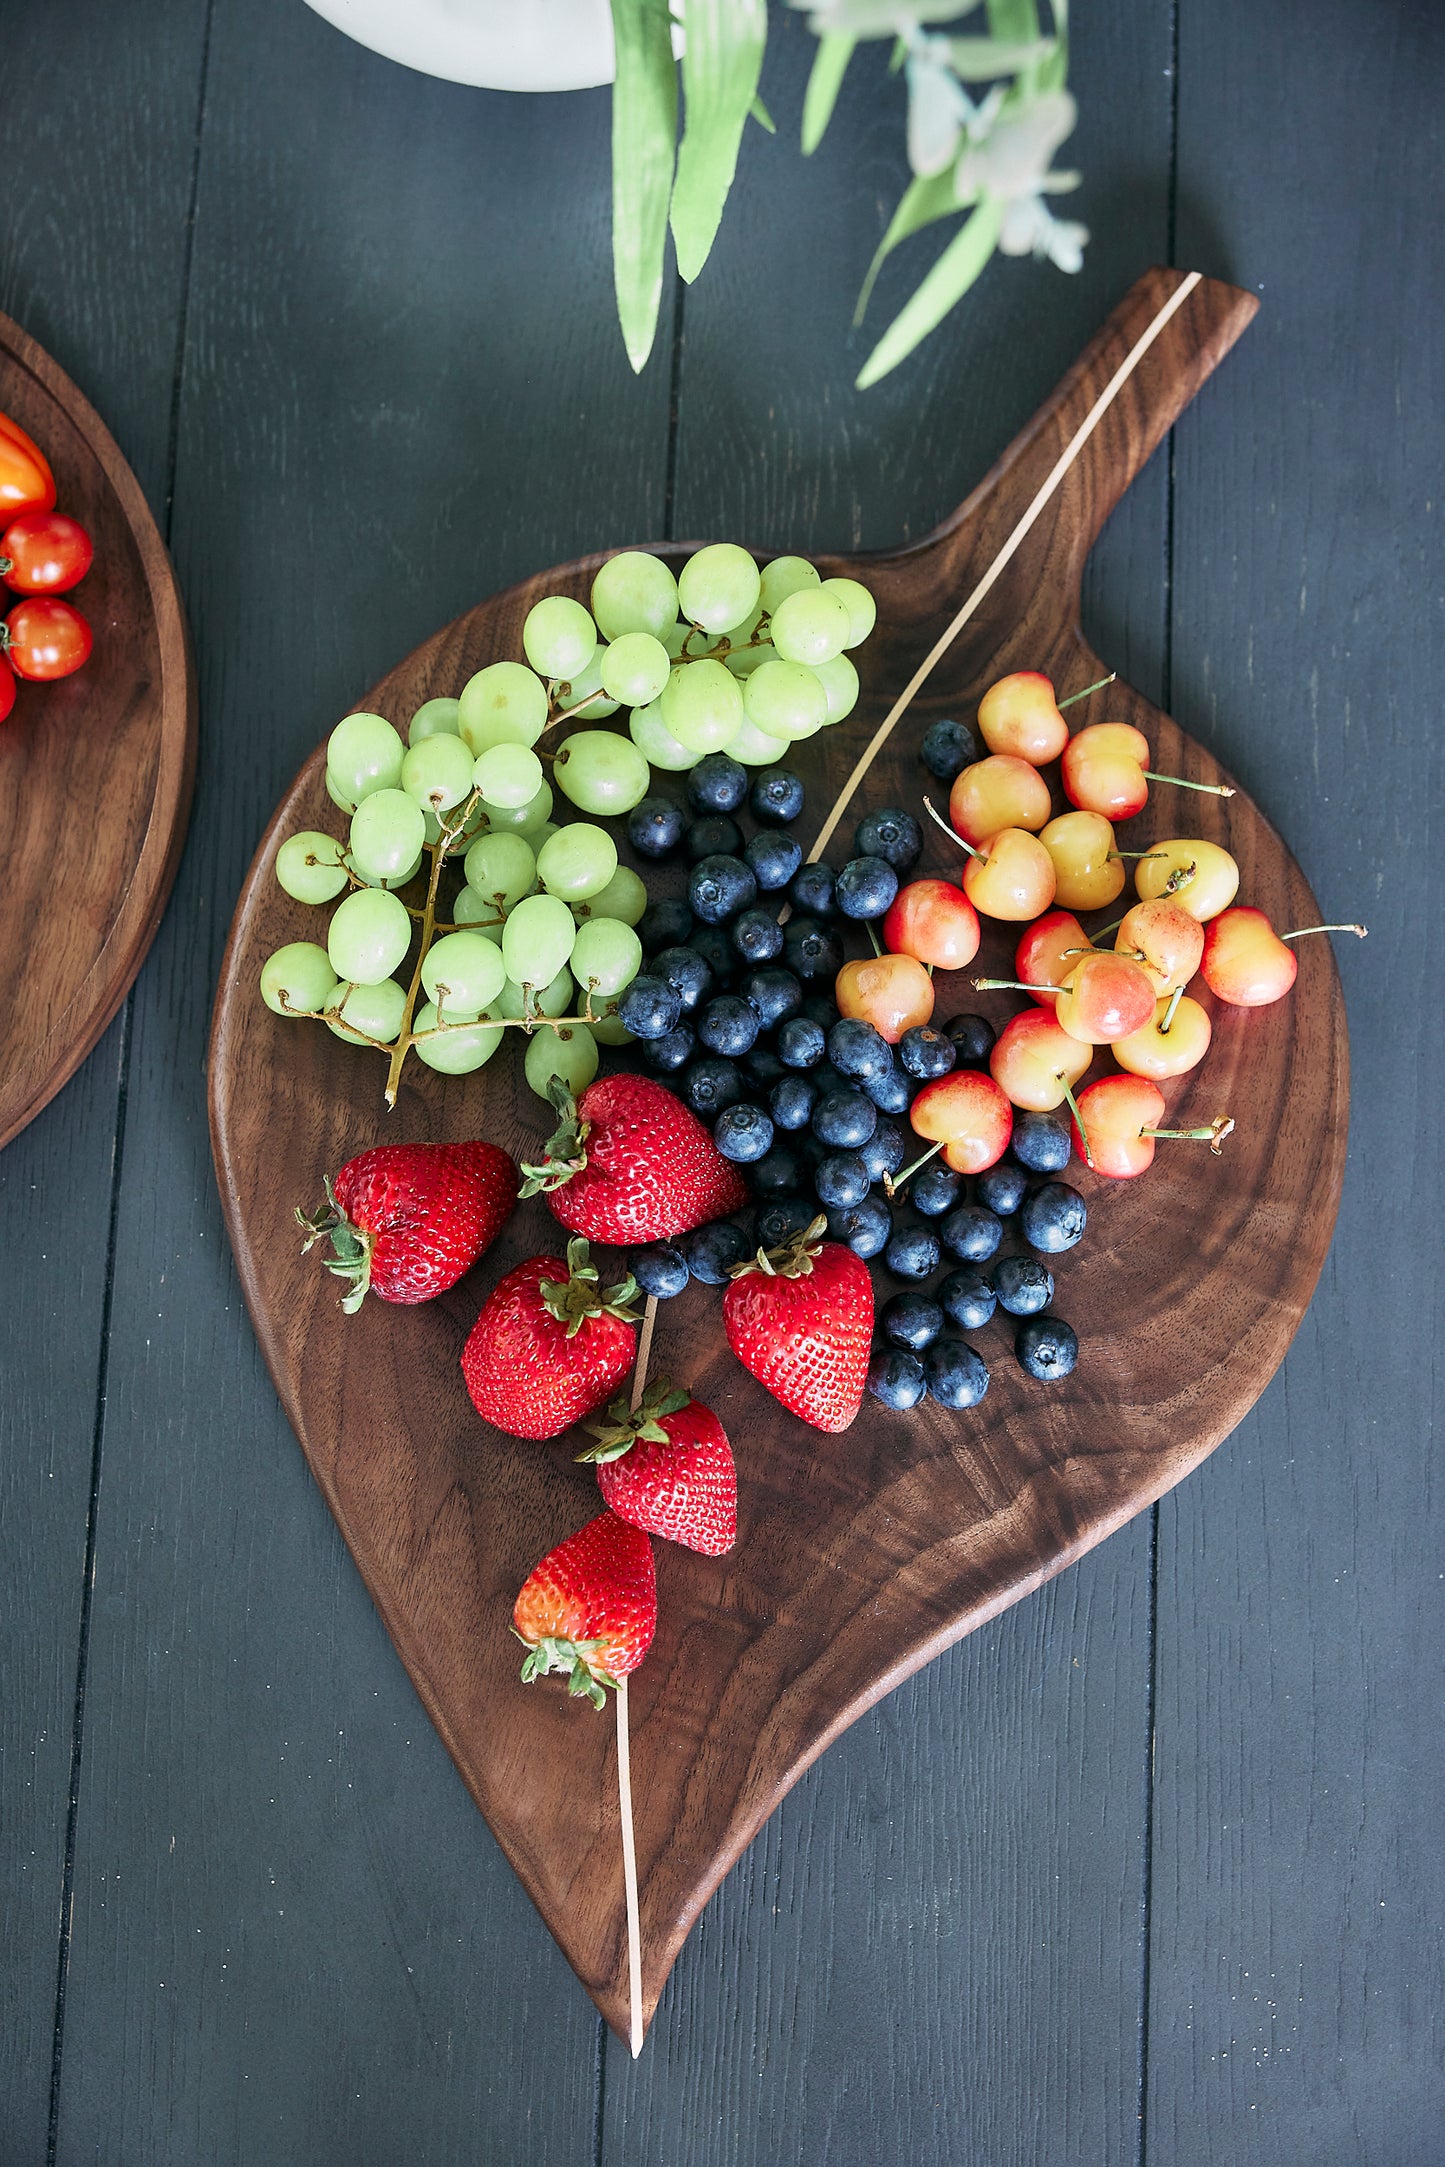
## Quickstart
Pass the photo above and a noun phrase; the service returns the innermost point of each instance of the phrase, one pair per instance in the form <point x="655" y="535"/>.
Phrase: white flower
<point x="939" y="108"/>
<point x="1012" y="159"/>
<point x="1030" y="228"/>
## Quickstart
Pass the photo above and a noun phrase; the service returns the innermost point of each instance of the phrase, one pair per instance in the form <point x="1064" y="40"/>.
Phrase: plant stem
<point x="1174" y="999"/>
<point x="934" y="814"/>
<point x="1215" y="790"/>
<point x="1062" y="704"/>
<point x="892" y="1183"/>
<point x="1300" y="932"/>
<point x="1214" y="1135"/>
<point x="1078" y="1121"/>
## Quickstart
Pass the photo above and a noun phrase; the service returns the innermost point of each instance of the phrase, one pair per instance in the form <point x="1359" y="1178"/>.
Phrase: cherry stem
<point x="934" y="814"/>
<point x="1135" y="854"/>
<point x="1078" y="1119"/>
<point x="868" y="928"/>
<point x="1010" y="985"/>
<point x="1096" y="937"/>
<point x="892" y="1183"/>
<point x="1215" y="790"/>
<point x="1174" y="999"/>
<point x="1214" y="1135"/>
<point x="1062" y="704"/>
<point x="1302" y="930"/>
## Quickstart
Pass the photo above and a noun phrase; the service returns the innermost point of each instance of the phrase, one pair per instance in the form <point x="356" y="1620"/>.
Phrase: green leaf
<point x="644" y="137"/>
<point x="720" y="70"/>
<point x="758" y="111"/>
<point x="1014" y="21"/>
<point x="825" y="80"/>
<point x="982" y="60"/>
<point x="924" y="202"/>
<point x="948" y="281"/>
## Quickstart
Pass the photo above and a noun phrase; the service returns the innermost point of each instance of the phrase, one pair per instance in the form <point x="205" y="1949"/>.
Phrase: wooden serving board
<point x="95" y="770"/>
<point x="858" y="1557"/>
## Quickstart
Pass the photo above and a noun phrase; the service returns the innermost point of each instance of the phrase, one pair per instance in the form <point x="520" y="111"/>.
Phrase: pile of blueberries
<point x="735" y="1012"/>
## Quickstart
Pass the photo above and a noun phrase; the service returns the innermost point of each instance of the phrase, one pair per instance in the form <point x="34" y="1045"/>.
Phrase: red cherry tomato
<point x="26" y="482"/>
<point x="7" y="688"/>
<point x="46" y="638"/>
<point x="44" y="553"/>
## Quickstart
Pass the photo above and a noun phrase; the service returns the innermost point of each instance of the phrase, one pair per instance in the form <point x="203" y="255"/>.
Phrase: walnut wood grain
<point x="95" y="770"/>
<point x="858" y="1557"/>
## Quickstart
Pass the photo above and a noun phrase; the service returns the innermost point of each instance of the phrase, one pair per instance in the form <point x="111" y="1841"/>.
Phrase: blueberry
<point x="844" y="1120"/>
<point x="710" y="1086"/>
<point x="897" y="1379"/>
<point x="828" y="1079"/>
<point x="957" y="1377"/>
<point x="717" y="784"/>
<point x="1041" y="1142"/>
<point x="892" y="834"/>
<point x="926" y="1053"/>
<point x="717" y="951"/>
<point x="654" y="827"/>
<point x="1002" y="1188"/>
<point x="780" y="1172"/>
<point x="720" y="887"/>
<point x="948" y="748"/>
<point x="801" y="1042"/>
<point x="891" y="1093"/>
<point x="661" y="1270"/>
<point x="743" y="1133"/>
<point x="812" y="890"/>
<point x="935" y="1189"/>
<point x="971" y="1234"/>
<point x="1053" y="1218"/>
<point x="791" y="1102"/>
<point x="776" y="797"/>
<point x="968" y="1298"/>
<point x="912" y="1253"/>
<point x="663" y="925"/>
<point x="1046" y="1347"/>
<point x="910" y="1320"/>
<point x="820" y="1008"/>
<point x="649" y="1007"/>
<point x="712" y="836"/>
<point x="674" y="1051"/>
<point x="762" y="1068"/>
<point x="758" y="937"/>
<point x="727" y="1025"/>
<point x="866" y="887"/>
<point x="774" y="992"/>
<point x="885" y="1149"/>
<point x="841" y="1180"/>
<point x="688" y="974"/>
<point x="782" y="1218"/>
<point x="858" y="1049"/>
<point x="973" y="1037"/>
<point x="1023" y="1285"/>
<point x="865" y="1226"/>
<point x="774" y="859"/>
<point x="811" y="950"/>
<point x="713" y="1250"/>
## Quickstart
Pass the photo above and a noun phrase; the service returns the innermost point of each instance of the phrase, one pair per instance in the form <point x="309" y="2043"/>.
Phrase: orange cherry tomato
<point x="26" y="482"/>
<point x="46" y="637"/>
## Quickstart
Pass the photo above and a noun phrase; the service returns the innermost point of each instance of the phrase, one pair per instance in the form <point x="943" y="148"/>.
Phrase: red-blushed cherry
<point x="1103" y="998"/>
<point x="1000" y="792"/>
<point x="893" y="993"/>
<point x="1175" y="1039"/>
<point x="1035" y="1064"/>
<point x="1116" y="1126"/>
<point x="1247" y="963"/>
<point x="1104" y="771"/>
<point x="1047" y="952"/>
<point x="934" y="921"/>
<point x="1088" y="871"/>
<point x="968" y="1115"/>
<point x="1013" y="878"/>
<point x="1200" y="875"/>
<point x="1019" y="715"/>
<point x="1164" y="939"/>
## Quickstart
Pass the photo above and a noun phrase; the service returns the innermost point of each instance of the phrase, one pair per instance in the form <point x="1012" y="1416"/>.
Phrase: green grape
<point x="373" y="1011"/>
<point x="601" y="772"/>
<point x="302" y="973"/>
<point x="624" y="897"/>
<point x="568" y="1053"/>
<point x="606" y="956"/>
<point x="309" y="867"/>
<point x="502" y="868"/>
<point x="701" y="705"/>
<point x="675" y="638"/>
<point x="456" y="1052"/>
<point x="434" y="718"/>
<point x="785" y="699"/>
<point x="582" y="695"/>
<point x="387" y="835"/>
<point x="558" y="636"/>
<point x="610" y="1030"/>
<point x="839" y="681"/>
<point x="634" y="592"/>
<point x="744" y="660"/>
<point x="521" y="820"/>
<point x="469" y="967"/>
<point x="738" y="635"/>
<point x="635" y="668"/>
<point x="508" y="776"/>
<point x="504" y="704"/>
<point x="437" y="772"/>
<point x="785" y="576"/>
<point x="536" y="837"/>
<point x="478" y="913"/>
<point x="860" y="605"/>
<point x="650" y="734"/>
<point x="810" y="626"/>
<point x="553" y="999"/>
<point x="364" y="753"/>
<point x="537" y="939"/>
<point x="718" y="586"/>
<point x="337" y="795"/>
<point x="577" y="861"/>
<point x="370" y="934"/>
<point x="755" y="748"/>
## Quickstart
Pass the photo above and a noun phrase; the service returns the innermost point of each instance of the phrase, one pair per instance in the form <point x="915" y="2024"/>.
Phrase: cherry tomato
<point x="7" y="688"/>
<point x="46" y="638"/>
<point x="26" y="482"/>
<point x="44" y="553"/>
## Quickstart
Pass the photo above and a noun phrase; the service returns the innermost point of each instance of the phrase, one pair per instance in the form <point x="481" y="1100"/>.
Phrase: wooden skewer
<point x="624" y="1757"/>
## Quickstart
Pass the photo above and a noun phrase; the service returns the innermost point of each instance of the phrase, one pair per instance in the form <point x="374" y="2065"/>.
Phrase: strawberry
<point x="549" y="1345"/>
<point x="630" y="1164"/>
<point x="801" y="1318"/>
<point x="406" y="1220"/>
<point x="667" y="1466"/>
<point x="589" y="1609"/>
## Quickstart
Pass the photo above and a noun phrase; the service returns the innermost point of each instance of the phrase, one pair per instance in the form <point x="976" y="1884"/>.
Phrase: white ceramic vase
<point x="497" y="44"/>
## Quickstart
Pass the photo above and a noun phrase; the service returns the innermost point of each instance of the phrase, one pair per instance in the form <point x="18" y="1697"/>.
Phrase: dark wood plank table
<point x="1146" y="1871"/>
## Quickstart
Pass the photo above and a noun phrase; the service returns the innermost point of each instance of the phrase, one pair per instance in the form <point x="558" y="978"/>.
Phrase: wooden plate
<point x="859" y="1557"/>
<point x="96" y="770"/>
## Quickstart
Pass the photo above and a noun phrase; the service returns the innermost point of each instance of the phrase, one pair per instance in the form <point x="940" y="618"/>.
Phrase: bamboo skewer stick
<point x="624" y="1758"/>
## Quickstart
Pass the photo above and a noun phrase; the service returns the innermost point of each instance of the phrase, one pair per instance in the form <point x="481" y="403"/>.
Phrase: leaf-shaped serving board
<point x="858" y="1556"/>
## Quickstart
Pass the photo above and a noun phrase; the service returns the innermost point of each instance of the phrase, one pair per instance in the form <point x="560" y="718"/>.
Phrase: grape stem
<point x="438" y="849"/>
